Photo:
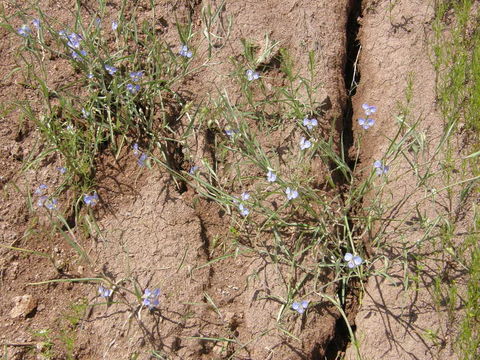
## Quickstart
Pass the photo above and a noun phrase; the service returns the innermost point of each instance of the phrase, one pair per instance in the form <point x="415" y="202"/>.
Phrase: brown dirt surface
<point x="397" y="316"/>
<point x="154" y="233"/>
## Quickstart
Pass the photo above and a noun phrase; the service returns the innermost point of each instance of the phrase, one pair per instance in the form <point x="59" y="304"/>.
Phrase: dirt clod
<point x="23" y="306"/>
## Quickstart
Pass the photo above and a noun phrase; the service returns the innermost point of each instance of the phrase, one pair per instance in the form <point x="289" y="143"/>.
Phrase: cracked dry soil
<point x="162" y="234"/>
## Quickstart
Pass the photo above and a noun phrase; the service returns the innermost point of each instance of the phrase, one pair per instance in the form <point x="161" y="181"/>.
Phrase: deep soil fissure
<point x="340" y="340"/>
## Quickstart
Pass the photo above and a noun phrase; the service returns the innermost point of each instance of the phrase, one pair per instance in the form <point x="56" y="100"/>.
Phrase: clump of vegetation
<point x="124" y="96"/>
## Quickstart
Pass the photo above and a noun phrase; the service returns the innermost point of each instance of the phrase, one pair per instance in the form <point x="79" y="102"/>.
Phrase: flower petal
<point x="357" y="260"/>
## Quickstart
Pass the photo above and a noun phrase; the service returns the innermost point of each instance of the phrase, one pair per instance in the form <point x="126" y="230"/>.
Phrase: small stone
<point x="60" y="265"/>
<point x="23" y="305"/>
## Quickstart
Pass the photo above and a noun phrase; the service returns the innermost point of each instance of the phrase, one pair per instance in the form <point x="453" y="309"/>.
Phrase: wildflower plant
<point x="124" y="105"/>
<point x="271" y="176"/>
<point x="245" y="196"/>
<point x="133" y="88"/>
<point x="185" y="52"/>
<point x="243" y="210"/>
<point x="193" y="170"/>
<point x="142" y="160"/>
<point x="369" y="109"/>
<point x="151" y="298"/>
<point x="111" y="69"/>
<point x="91" y="200"/>
<point x="380" y="168"/>
<point x="291" y="193"/>
<point x="300" y="306"/>
<point x="51" y="204"/>
<point x="24" y="31"/>
<point x="136" y="76"/>
<point x="352" y="260"/>
<point x="124" y="91"/>
<point x="41" y="189"/>
<point x="305" y="144"/>
<point x="252" y="75"/>
<point x="105" y="292"/>
<point x="244" y="159"/>
<point x="41" y="201"/>
<point x="310" y="123"/>
<point x="367" y="122"/>
<point x="113" y="107"/>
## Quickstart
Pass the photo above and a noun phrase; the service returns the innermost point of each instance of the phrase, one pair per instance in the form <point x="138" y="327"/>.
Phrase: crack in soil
<point x="340" y="340"/>
<point x="351" y="74"/>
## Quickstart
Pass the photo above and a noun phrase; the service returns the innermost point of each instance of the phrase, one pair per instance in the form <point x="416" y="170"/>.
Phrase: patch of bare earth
<point x="157" y="234"/>
<point x="398" y="316"/>
<point x="162" y="238"/>
<point x="152" y="234"/>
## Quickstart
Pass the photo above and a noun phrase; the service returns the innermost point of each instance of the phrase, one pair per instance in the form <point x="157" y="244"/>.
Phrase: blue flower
<point x="291" y="193"/>
<point x="243" y="210"/>
<point x="36" y="23"/>
<point x="193" y="170"/>
<point x="252" y="75"/>
<point x="245" y="196"/>
<point x="133" y="88"/>
<point x="304" y="143"/>
<point x="41" y="189"/>
<point x="300" y="306"/>
<point x="98" y="22"/>
<point x="230" y="133"/>
<point x="380" y="168"/>
<point x="185" y="52"/>
<point x="62" y="170"/>
<point x="366" y="123"/>
<point x="104" y="292"/>
<point x="51" y="204"/>
<point x="114" y="25"/>
<point x="150" y="298"/>
<point x="90" y="76"/>
<point x="78" y="54"/>
<point x="141" y="160"/>
<point x="85" y="113"/>
<point x="352" y="261"/>
<point x="91" y="200"/>
<point x="73" y="43"/>
<point x="136" y="152"/>
<point x="41" y="200"/>
<point x="73" y="40"/>
<point x="271" y="176"/>
<point x="310" y="123"/>
<point x="369" y="110"/>
<point x="111" y="69"/>
<point x="24" y="30"/>
<point x="136" y="76"/>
